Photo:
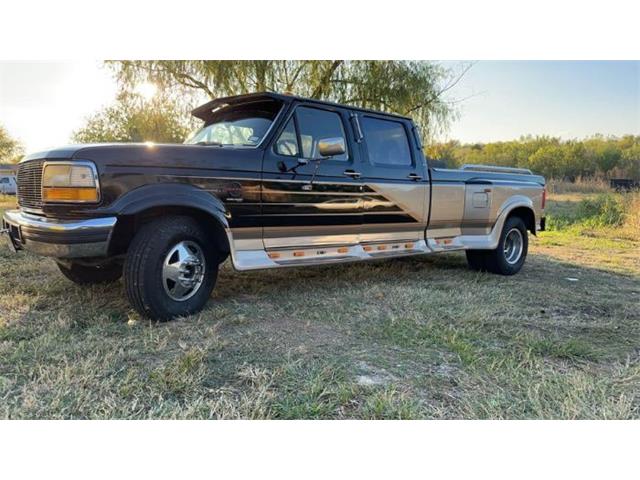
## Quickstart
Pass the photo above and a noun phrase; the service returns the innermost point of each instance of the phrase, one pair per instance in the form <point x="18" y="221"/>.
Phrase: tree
<point x="547" y="161"/>
<point x="609" y="156"/>
<point x="444" y="152"/>
<point x="596" y="155"/>
<point x="631" y="160"/>
<point x="10" y="149"/>
<point x="409" y="88"/>
<point x="133" y="119"/>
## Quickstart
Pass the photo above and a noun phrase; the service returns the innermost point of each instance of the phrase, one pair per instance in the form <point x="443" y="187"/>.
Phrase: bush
<point x="632" y="213"/>
<point x="605" y="210"/>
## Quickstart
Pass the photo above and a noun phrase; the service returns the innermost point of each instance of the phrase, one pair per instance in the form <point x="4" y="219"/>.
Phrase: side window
<point x="387" y="142"/>
<point x="287" y="143"/>
<point x="315" y="125"/>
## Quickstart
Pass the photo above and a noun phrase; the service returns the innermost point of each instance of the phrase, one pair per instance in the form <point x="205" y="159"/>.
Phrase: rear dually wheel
<point x="509" y="256"/>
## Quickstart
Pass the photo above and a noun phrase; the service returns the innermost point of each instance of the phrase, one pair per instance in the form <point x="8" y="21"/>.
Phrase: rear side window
<point x="315" y="125"/>
<point x="387" y="142"/>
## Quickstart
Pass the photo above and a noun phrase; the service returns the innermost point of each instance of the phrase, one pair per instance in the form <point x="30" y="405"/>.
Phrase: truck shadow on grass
<point x="419" y="337"/>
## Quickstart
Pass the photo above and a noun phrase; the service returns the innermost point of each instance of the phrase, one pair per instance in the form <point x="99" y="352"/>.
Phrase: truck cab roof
<point x="203" y="111"/>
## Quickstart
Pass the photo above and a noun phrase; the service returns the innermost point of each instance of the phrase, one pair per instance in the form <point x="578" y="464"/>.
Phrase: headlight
<point x="70" y="182"/>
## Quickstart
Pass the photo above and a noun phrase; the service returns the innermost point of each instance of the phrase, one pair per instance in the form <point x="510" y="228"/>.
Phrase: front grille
<point x="30" y="184"/>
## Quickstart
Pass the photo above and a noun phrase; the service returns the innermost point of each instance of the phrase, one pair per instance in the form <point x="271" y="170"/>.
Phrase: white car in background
<point x="8" y="184"/>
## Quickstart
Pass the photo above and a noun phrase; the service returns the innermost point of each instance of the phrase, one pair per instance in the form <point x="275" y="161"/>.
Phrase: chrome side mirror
<point x="330" y="147"/>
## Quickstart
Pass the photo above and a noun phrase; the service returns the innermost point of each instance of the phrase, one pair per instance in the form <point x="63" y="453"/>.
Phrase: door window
<point x="387" y="142"/>
<point x="287" y="143"/>
<point x="314" y="125"/>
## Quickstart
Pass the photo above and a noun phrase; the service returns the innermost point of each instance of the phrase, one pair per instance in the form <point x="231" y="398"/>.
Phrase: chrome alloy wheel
<point x="183" y="270"/>
<point x="513" y="246"/>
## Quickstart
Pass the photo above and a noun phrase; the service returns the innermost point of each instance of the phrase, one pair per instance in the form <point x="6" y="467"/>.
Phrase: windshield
<point x="239" y="125"/>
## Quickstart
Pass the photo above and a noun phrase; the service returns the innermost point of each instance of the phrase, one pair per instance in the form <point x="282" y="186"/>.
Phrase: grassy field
<point x="409" y="338"/>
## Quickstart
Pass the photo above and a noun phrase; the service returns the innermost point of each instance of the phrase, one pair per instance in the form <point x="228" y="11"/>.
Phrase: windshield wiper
<point x="217" y="144"/>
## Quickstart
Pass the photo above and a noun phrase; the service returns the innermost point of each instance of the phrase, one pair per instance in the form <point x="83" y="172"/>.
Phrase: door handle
<point x="414" y="176"/>
<point x="352" y="173"/>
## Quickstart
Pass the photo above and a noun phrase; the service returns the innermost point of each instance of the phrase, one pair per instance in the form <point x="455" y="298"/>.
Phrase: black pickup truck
<point x="271" y="181"/>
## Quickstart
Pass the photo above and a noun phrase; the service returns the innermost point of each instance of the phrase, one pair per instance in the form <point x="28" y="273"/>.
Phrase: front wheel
<point x="510" y="255"/>
<point x="170" y="268"/>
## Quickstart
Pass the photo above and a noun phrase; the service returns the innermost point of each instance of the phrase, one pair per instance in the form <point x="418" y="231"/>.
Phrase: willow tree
<point x="131" y="118"/>
<point x="10" y="148"/>
<point x="405" y="87"/>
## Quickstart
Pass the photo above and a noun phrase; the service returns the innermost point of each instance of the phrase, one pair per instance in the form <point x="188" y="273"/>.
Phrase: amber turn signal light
<point x="70" y="194"/>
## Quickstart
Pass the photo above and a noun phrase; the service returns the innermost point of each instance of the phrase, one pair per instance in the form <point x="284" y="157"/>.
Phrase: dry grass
<point x="581" y="185"/>
<point x="632" y="221"/>
<point x="420" y="337"/>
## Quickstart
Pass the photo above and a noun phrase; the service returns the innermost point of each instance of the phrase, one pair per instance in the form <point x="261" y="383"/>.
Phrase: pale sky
<point x="43" y="103"/>
<point x="567" y="99"/>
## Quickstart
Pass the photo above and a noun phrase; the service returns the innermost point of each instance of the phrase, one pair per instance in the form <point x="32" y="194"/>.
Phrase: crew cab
<point x="270" y="181"/>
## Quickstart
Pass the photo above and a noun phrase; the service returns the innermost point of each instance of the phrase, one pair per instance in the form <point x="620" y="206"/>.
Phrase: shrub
<point x="632" y="212"/>
<point x="604" y="210"/>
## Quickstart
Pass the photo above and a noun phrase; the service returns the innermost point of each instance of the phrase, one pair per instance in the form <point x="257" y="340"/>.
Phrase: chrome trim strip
<point x="495" y="168"/>
<point x="18" y="217"/>
<point x="259" y="259"/>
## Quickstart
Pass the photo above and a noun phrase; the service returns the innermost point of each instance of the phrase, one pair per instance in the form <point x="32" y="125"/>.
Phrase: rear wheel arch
<point x="527" y="216"/>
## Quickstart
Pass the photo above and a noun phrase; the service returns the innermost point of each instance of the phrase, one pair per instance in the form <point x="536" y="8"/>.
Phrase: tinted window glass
<point x="287" y="143"/>
<point x="387" y="141"/>
<point x="315" y="125"/>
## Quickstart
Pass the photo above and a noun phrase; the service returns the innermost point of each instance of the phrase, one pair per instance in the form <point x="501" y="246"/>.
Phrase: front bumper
<point x="58" y="238"/>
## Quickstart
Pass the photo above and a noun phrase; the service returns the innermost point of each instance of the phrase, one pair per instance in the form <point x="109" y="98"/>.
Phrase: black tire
<point x="477" y="259"/>
<point x="143" y="268"/>
<point x="497" y="261"/>
<point x="89" y="275"/>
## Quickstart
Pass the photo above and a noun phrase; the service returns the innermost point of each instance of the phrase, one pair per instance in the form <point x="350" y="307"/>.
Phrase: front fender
<point x="170" y="195"/>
